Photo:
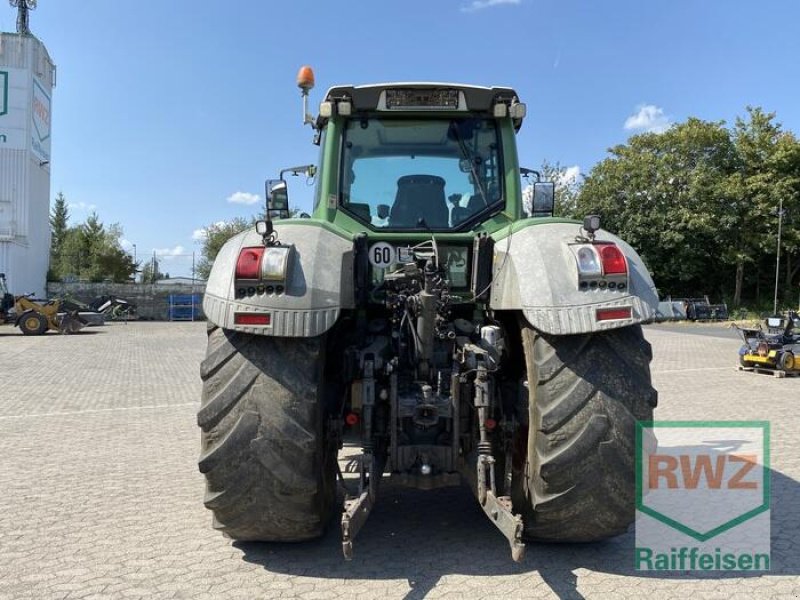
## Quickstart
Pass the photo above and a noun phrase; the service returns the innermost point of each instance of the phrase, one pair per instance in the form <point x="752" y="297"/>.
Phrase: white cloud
<point x="167" y="253"/>
<point x="244" y="198"/>
<point x="82" y="206"/>
<point x="649" y="118"/>
<point x="476" y="5"/>
<point x="126" y="245"/>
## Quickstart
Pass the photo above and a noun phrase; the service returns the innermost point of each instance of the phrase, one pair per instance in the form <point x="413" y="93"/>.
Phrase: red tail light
<point x="248" y="266"/>
<point x="252" y="318"/>
<point x="613" y="314"/>
<point x="613" y="260"/>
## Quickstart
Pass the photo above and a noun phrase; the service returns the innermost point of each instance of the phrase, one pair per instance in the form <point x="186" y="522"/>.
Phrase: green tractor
<point x="433" y="312"/>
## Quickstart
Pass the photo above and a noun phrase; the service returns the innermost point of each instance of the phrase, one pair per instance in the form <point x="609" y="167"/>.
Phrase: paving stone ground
<point x="100" y="496"/>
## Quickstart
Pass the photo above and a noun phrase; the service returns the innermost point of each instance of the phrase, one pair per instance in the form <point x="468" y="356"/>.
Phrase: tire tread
<point x="578" y="482"/>
<point x="269" y="471"/>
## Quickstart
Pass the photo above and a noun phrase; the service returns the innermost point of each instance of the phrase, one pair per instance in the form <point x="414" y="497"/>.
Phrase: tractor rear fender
<point x="536" y="272"/>
<point x="318" y="283"/>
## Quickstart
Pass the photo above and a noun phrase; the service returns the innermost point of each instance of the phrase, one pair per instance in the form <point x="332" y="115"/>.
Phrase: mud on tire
<point x="270" y="475"/>
<point x="586" y="394"/>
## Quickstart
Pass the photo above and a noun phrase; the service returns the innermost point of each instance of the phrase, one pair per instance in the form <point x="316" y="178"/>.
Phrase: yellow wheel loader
<point x="34" y="318"/>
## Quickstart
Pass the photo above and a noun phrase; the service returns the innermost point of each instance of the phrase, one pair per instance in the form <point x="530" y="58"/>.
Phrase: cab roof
<point x="367" y="98"/>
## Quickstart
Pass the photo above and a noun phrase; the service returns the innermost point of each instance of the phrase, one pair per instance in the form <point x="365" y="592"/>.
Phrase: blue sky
<point x="165" y="111"/>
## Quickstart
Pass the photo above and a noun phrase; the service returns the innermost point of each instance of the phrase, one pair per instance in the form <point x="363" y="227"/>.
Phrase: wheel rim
<point x="31" y="323"/>
<point x="788" y="361"/>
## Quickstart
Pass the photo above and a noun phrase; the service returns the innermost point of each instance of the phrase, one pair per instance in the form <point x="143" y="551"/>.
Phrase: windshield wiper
<point x="467" y="155"/>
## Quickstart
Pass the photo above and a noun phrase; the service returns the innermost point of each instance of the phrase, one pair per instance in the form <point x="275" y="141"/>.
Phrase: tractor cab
<point x="418" y="158"/>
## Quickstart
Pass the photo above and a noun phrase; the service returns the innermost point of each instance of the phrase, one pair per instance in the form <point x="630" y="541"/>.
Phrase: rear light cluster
<point x="262" y="270"/>
<point x="266" y="263"/>
<point x="601" y="266"/>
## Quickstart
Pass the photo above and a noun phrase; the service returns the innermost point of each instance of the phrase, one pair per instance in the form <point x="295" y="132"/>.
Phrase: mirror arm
<point x="308" y="170"/>
<point x="524" y="171"/>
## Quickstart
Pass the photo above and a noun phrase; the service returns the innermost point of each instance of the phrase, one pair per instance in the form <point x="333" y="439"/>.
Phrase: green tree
<point x="768" y="176"/>
<point x="786" y="162"/>
<point x="91" y="251"/>
<point x="72" y="261"/>
<point x="59" y="218"/>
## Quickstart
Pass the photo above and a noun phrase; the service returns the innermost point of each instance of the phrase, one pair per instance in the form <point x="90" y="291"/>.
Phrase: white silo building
<point x="27" y="77"/>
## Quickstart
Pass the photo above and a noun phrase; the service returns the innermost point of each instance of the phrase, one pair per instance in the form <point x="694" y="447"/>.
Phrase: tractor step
<point x="766" y="371"/>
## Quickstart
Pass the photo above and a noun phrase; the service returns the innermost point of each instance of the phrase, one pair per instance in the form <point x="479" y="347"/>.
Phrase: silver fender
<point x="319" y="284"/>
<point x="535" y="272"/>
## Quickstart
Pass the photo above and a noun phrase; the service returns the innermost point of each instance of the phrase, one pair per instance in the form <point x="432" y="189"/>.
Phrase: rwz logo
<point x="705" y="477"/>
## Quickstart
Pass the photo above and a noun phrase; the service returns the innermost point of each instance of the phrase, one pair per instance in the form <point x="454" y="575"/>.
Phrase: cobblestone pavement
<point x="100" y="494"/>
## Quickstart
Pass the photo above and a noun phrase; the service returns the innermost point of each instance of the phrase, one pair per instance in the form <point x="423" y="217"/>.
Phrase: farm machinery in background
<point x="114" y="308"/>
<point x="37" y="318"/>
<point x="776" y="348"/>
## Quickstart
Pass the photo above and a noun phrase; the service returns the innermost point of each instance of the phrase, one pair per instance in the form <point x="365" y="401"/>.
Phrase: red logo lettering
<point x="693" y="469"/>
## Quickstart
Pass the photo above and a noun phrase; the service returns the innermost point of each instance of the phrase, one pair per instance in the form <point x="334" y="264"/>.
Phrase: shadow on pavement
<point x="422" y="537"/>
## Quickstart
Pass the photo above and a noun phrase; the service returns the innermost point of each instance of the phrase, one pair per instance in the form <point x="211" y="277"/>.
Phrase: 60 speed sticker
<point x="382" y="255"/>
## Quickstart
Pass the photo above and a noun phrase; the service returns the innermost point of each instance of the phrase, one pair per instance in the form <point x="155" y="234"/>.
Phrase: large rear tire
<point x="586" y="393"/>
<point x="270" y="472"/>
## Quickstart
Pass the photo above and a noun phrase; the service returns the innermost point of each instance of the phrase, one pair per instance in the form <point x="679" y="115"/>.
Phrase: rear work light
<point x="252" y="319"/>
<point x="248" y="265"/>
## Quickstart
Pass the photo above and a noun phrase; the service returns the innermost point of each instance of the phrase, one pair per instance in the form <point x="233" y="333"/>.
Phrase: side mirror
<point x="383" y="211"/>
<point x="277" y="193"/>
<point x="544" y="198"/>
